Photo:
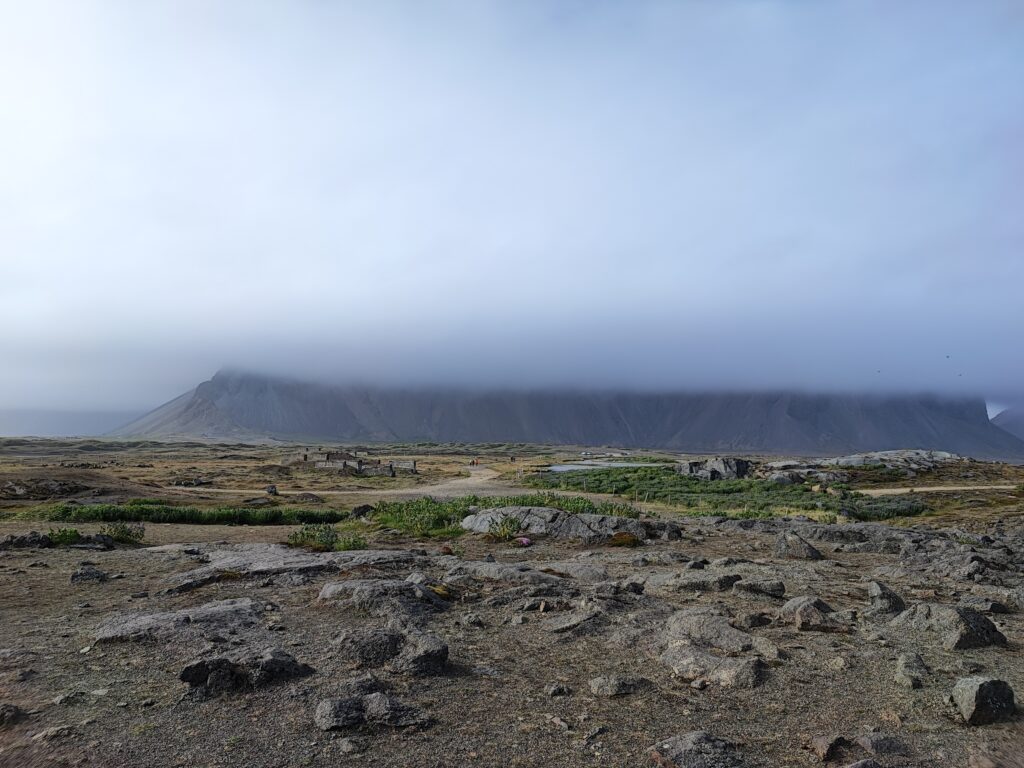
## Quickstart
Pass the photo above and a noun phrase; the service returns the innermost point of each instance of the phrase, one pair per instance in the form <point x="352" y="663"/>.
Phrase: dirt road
<point x="481" y="481"/>
<point x="933" y="489"/>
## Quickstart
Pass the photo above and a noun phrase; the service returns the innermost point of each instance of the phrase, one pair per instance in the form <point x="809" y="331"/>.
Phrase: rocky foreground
<point x="713" y="643"/>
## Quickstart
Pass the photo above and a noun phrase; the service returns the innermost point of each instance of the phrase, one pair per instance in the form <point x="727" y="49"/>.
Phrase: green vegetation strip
<point x="146" y="511"/>
<point x="431" y="517"/>
<point x="738" y="498"/>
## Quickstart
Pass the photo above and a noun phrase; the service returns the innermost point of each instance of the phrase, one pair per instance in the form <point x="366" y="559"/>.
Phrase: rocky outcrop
<point x="262" y="560"/>
<point x="221" y="616"/>
<point x="716" y="469"/>
<point x="556" y="523"/>
<point x="237" y="672"/>
<point x="960" y="628"/>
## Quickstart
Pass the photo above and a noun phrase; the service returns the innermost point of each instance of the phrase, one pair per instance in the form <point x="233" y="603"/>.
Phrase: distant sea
<point x="39" y="423"/>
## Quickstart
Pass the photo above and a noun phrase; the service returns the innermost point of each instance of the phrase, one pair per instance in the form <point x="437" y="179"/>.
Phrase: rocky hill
<point x="244" y="405"/>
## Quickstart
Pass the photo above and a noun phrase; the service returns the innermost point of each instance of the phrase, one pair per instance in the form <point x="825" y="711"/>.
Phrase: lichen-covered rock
<point x="983" y="700"/>
<point x="697" y="749"/>
<point x="236" y="561"/>
<point x="910" y="670"/>
<point x="219" y="616"/>
<point x="513" y="573"/>
<point x="617" y="686"/>
<point x="383" y="597"/>
<point x="690" y="663"/>
<point x="759" y="587"/>
<point x="792" y="545"/>
<point x="812" y="614"/>
<point x="709" y="628"/>
<point x="422" y="654"/>
<point x="883" y="600"/>
<point x="959" y="627"/>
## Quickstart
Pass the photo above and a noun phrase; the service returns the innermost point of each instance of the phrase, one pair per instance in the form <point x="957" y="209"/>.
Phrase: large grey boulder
<point x="959" y="627"/>
<point x="720" y="468"/>
<point x="556" y="523"/>
<point x="983" y="700"/>
<point x="792" y="545"/>
<point x="709" y="628"/>
<point x="690" y="663"/>
<point x="812" y="614"/>
<point x="696" y="749"/>
<point x="883" y="600"/>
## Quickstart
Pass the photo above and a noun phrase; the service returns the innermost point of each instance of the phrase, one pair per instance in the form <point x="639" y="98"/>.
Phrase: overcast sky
<point x="669" y="195"/>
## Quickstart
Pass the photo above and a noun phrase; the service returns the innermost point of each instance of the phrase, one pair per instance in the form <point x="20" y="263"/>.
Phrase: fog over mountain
<point x="235" y="405"/>
<point x="644" y="197"/>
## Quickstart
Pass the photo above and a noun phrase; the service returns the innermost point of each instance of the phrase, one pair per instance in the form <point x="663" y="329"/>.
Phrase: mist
<point x="648" y="195"/>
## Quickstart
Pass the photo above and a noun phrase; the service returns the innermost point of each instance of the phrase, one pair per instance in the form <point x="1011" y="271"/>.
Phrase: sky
<point x="741" y="194"/>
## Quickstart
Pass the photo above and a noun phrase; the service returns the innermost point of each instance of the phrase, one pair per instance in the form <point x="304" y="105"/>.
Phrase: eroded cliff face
<point x="243" y="404"/>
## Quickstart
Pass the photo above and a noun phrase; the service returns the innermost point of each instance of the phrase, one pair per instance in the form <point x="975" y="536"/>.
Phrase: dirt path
<point x="481" y="481"/>
<point x="932" y="489"/>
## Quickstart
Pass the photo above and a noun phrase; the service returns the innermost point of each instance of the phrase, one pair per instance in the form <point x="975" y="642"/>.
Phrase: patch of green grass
<point x="505" y="528"/>
<point x="324" y="538"/>
<point x="350" y="543"/>
<point x="319" y="537"/>
<point x="735" y="498"/>
<point x="427" y="517"/>
<point x="64" y="537"/>
<point x="152" y="512"/>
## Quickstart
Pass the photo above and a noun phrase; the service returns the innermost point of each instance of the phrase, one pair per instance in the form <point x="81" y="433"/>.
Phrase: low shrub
<point x="124" y="533"/>
<point x="505" y="528"/>
<point x="318" y="537"/>
<point x="349" y="543"/>
<point x="746" y="498"/>
<point x="64" y="537"/>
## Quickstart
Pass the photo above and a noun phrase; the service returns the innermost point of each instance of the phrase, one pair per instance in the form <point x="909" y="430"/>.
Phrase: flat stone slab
<point x="260" y="560"/>
<point x="218" y="616"/>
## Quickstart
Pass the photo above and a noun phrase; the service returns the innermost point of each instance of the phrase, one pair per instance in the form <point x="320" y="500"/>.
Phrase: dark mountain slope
<point x="241" y="404"/>
<point x="1011" y="420"/>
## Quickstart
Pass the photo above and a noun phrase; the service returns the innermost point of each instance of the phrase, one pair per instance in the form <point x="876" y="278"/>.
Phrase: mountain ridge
<point x="1011" y="420"/>
<point x="245" y="405"/>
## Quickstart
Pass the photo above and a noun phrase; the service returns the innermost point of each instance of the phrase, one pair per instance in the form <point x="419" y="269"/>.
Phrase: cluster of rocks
<point x="709" y="623"/>
<point x="717" y="468"/>
<point x="39" y="489"/>
<point x="832" y="470"/>
<point x="36" y="540"/>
